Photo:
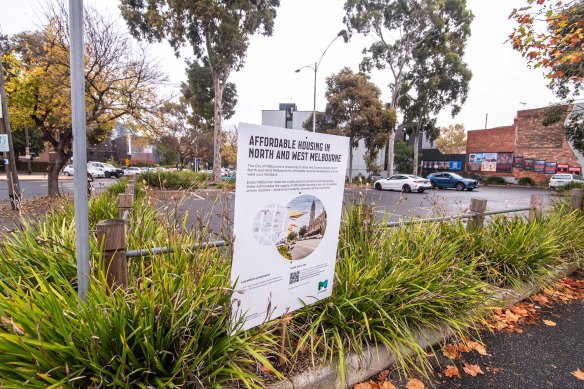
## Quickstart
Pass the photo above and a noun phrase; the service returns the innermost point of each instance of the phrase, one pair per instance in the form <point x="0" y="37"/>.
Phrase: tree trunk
<point x="217" y="130"/>
<point x="416" y="151"/>
<point x="350" y="162"/>
<point x="61" y="157"/>
<point x="391" y="153"/>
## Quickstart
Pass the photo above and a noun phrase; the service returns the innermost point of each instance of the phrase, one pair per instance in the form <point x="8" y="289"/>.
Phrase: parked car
<point x="68" y="170"/>
<point x="562" y="179"/>
<point x="132" y="171"/>
<point x="108" y="170"/>
<point x="403" y="182"/>
<point x="96" y="173"/>
<point x="443" y="180"/>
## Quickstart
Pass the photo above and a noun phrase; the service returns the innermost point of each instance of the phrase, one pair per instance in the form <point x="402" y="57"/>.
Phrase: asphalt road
<point x="38" y="187"/>
<point x="214" y="209"/>
<point x="303" y="248"/>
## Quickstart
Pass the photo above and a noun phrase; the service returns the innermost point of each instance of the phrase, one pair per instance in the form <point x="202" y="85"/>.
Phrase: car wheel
<point x="406" y="188"/>
<point x="434" y="186"/>
<point x="119" y="175"/>
<point x="107" y="174"/>
<point x="459" y="186"/>
<point x="67" y="174"/>
<point x="470" y="189"/>
<point x="421" y="190"/>
<point x="378" y="186"/>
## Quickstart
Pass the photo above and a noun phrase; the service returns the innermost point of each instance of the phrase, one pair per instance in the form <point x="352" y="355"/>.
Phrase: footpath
<point x="537" y="343"/>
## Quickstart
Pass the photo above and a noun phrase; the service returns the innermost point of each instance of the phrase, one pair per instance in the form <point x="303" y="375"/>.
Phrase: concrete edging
<point x="378" y="358"/>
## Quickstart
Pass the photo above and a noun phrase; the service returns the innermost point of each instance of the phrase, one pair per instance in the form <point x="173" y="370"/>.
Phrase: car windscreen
<point x="454" y="175"/>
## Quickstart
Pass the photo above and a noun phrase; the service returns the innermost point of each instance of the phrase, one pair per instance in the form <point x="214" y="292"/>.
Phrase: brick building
<point x="525" y="149"/>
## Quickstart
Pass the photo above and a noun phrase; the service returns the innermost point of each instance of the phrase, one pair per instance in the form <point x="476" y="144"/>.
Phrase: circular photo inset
<point x="270" y="224"/>
<point x="306" y="227"/>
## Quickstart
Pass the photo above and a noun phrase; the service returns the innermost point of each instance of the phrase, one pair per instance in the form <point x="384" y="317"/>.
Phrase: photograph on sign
<point x="288" y="204"/>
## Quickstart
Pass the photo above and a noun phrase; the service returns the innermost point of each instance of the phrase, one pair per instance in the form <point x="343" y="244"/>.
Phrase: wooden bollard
<point x="478" y="207"/>
<point x="576" y="198"/>
<point x="130" y="188"/>
<point x="536" y="206"/>
<point x="125" y="201"/>
<point x="111" y="234"/>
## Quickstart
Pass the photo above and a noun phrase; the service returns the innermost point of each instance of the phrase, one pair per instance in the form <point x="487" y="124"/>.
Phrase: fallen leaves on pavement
<point x="549" y="323"/>
<point x="452" y="371"/>
<point x="578" y="374"/>
<point x="472" y="370"/>
<point x="415" y="383"/>
<point x="509" y="320"/>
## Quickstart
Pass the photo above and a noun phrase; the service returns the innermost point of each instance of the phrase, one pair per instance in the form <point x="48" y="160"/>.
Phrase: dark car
<point x="452" y="180"/>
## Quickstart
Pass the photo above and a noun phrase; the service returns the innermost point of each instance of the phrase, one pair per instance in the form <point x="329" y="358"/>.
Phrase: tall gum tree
<point x="120" y="82"/>
<point x="217" y="30"/>
<point x="399" y="28"/>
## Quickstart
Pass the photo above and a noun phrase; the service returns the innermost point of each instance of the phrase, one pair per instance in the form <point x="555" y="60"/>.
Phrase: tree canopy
<point x="120" y="82"/>
<point x="549" y="34"/>
<point x="355" y="110"/>
<point x="404" y="29"/>
<point x="217" y="30"/>
<point x="452" y="139"/>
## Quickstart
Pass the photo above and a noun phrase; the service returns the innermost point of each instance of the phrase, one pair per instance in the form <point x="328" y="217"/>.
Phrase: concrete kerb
<point x="377" y="358"/>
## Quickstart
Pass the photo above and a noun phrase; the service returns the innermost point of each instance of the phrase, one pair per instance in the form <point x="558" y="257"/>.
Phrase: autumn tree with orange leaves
<point x="549" y="34"/>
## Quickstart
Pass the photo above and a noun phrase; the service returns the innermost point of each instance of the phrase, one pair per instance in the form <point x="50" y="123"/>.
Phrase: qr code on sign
<point x="294" y="277"/>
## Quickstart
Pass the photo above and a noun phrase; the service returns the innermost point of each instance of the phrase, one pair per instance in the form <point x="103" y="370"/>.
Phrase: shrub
<point x="570" y="186"/>
<point x="526" y="181"/>
<point x="494" y="180"/>
<point x="184" y="179"/>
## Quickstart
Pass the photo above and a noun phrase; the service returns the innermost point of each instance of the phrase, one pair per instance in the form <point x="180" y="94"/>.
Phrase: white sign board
<point x="288" y="203"/>
<point x="4" y="143"/>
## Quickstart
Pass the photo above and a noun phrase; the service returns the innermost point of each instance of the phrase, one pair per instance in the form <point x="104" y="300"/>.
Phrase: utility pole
<point x="11" y="175"/>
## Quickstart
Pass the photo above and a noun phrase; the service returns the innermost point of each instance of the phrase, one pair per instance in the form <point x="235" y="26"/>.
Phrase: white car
<point x="96" y="173"/>
<point x="562" y="179"/>
<point x="404" y="183"/>
<point x="132" y="171"/>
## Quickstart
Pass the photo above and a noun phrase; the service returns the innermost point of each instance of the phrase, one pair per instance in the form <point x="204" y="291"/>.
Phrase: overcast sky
<point x="303" y="29"/>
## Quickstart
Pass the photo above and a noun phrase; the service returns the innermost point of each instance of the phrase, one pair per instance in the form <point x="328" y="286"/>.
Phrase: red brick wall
<point x="529" y="138"/>
<point x="493" y="140"/>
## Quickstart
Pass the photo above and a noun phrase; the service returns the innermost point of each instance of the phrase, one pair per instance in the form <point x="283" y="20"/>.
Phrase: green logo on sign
<point x="322" y="284"/>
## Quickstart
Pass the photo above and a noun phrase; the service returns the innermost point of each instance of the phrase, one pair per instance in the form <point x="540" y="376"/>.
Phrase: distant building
<point x="526" y="148"/>
<point x="288" y="116"/>
<point x="316" y="224"/>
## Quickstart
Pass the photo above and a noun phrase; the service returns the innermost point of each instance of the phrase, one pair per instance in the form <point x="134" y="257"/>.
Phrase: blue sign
<point x="455" y="165"/>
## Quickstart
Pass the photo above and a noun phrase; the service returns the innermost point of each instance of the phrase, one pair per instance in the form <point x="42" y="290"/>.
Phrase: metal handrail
<point x="463" y="216"/>
<point x="165" y="250"/>
<point x="222" y="243"/>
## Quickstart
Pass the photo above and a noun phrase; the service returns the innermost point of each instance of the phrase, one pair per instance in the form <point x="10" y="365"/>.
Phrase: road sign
<point x="4" y="143"/>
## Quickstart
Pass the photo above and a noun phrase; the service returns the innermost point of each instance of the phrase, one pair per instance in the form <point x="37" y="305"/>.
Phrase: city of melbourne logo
<point x="322" y="285"/>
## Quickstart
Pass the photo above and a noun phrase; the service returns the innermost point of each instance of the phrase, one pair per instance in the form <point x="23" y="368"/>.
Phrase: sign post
<point x="288" y="205"/>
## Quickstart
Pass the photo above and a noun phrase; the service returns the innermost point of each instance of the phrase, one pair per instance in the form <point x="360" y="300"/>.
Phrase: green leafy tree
<point x="399" y="28"/>
<point x="35" y="141"/>
<point x="404" y="156"/>
<point x="302" y="231"/>
<point x="120" y="82"/>
<point x="354" y="110"/>
<point x="452" y="139"/>
<point x="217" y="30"/>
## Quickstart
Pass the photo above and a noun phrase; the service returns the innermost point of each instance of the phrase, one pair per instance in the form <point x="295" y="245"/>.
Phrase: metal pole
<point x="11" y="175"/>
<point x="79" y="147"/>
<point x="27" y="151"/>
<point x="314" y="100"/>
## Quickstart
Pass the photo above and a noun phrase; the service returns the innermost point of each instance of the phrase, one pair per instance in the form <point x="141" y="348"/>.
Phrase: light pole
<point x="314" y="67"/>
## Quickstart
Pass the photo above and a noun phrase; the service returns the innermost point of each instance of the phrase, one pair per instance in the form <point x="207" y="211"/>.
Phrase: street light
<point x="314" y="67"/>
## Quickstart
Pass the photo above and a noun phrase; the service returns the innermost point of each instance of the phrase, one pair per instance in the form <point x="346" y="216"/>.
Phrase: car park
<point x="561" y="179"/>
<point x="443" y="180"/>
<point x="403" y="182"/>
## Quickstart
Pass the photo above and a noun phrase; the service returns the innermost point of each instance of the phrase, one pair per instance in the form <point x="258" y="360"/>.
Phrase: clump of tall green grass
<point x="184" y="179"/>
<point x="170" y="328"/>
<point x="389" y="285"/>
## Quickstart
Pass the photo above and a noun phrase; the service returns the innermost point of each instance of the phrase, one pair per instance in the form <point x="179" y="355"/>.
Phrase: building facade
<point x="527" y="148"/>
